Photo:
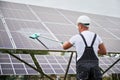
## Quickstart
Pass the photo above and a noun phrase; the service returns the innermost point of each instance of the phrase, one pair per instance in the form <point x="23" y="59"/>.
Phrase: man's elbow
<point x="102" y="50"/>
<point x="67" y="45"/>
<point x="64" y="47"/>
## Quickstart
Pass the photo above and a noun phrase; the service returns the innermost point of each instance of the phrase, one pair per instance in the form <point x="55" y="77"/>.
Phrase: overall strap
<point x="93" y="40"/>
<point x="86" y="42"/>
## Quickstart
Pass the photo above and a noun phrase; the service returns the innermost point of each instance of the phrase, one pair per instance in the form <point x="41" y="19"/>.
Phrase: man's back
<point x="78" y="42"/>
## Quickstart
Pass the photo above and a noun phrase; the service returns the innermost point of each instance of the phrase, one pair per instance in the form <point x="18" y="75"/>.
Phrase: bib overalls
<point x="87" y="67"/>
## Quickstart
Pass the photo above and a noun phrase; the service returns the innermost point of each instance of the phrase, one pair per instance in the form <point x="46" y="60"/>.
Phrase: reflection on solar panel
<point x="22" y="20"/>
<point x="11" y="66"/>
<point x="58" y="64"/>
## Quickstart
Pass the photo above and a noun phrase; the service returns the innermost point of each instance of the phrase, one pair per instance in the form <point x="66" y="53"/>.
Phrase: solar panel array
<point x="49" y="64"/>
<point x="19" y="21"/>
<point x="11" y="66"/>
<point x="58" y="64"/>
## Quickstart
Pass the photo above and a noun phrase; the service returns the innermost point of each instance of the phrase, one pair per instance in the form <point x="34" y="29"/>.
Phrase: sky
<point x="102" y="7"/>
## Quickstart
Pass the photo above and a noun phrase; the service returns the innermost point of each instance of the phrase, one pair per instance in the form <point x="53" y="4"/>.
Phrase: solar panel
<point x="23" y="20"/>
<point x="21" y="30"/>
<point x="11" y="66"/>
<point x="58" y="64"/>
<point x="54" y="64"/>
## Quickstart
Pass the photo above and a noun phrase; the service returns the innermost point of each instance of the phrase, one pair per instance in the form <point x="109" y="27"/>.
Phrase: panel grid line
<point x="12" y="64"/>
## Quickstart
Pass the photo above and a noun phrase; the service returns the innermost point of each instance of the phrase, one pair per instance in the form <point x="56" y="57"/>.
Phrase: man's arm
<point x="102" y="49"/>
<point x="67" y="45"/>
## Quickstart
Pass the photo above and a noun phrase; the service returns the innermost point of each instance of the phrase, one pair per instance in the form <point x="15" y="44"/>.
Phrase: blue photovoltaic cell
<point x="4" y="60"/>
<point x="58" y="70"/>
<point x="61" y="61"/>
<point x="7" y="71"/>
<point x="32" y="72"/>
<point x="56" y="66"/>
<point x="48" y="71"/>
<point x="20" y="71"/>
<point x="45" y="66"/>
<point x="52" y="61"/>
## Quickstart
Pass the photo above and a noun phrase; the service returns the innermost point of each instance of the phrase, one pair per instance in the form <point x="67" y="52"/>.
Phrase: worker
<point x="88" y="45"/>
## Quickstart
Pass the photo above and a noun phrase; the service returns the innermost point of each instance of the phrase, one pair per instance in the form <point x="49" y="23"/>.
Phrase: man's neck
<point x="83" y="30"/>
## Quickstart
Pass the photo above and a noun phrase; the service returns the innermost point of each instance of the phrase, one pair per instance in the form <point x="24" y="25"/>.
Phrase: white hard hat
<point x="84" y="20"/>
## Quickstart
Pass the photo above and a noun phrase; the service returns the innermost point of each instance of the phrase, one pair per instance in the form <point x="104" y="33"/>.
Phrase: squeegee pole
<point x="42" y="43"/>
<point x="50" y="39"/>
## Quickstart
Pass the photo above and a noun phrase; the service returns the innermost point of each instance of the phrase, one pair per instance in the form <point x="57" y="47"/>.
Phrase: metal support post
<point x="68" y="65"/>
